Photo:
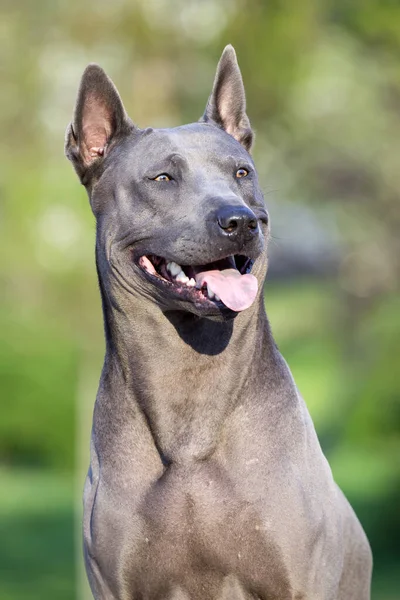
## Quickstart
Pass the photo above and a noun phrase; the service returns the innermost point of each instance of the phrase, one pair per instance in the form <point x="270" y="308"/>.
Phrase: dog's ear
<point x="226" y="106"/>
<point x="99" y="121"/>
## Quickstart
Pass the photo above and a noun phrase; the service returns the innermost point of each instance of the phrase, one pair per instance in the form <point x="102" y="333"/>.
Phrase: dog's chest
<point x="195" y="522"/>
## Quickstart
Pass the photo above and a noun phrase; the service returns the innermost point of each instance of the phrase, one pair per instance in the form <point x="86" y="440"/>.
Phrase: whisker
<point x="266" y="192"/>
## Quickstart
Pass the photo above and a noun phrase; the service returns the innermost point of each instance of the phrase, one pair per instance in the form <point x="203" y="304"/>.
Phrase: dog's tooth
<point x="181" y="277"/>
<point x="217" y="298"/>
<point x="191" y="282"/>
<point x="174" y="268"/>
<point x="210" y="293"/>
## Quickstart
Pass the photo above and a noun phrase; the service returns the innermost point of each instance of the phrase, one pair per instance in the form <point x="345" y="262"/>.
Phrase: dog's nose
<point x="237" y="222"/>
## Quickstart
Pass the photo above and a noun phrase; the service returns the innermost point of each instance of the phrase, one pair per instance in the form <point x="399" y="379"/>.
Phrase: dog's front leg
<point x="99" y="587"/>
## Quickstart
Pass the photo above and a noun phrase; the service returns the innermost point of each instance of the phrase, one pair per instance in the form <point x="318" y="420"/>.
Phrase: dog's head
<point x="180" y="215"/>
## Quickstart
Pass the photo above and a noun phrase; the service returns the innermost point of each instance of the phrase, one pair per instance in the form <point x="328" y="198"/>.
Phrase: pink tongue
<point x="236" y="291"/>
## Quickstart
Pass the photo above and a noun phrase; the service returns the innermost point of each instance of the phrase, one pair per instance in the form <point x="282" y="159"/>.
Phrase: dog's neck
<point x="186" y="374"/>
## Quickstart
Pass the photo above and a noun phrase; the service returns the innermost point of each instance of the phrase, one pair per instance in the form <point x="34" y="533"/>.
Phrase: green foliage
<point x="37" y="533"/>
<point x="38" y="372"/>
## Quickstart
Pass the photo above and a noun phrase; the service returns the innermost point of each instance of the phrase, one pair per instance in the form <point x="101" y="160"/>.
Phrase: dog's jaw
<point x="201" y="283"/>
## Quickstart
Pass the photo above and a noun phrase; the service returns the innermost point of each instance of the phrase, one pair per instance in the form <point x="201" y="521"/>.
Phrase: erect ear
<point x="226" y="106"/>
<point x="99" y="120"/>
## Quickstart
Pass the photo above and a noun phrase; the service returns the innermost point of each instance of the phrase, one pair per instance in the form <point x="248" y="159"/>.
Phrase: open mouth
<point x="227" y="282"/>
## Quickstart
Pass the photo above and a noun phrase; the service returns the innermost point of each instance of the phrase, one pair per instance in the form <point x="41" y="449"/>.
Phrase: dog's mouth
<point x="227" y="282"/>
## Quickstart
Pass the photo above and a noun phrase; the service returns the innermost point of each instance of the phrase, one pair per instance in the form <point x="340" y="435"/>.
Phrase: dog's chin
<point x="218" y="313"/>
<point x="188" y="288"/>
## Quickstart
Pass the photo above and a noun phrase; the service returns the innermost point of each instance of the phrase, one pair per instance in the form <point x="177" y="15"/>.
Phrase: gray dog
<point x="206" y="480"/>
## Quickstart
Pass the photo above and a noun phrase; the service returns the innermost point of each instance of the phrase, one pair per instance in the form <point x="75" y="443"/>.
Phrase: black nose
<point x="237" y="222"/>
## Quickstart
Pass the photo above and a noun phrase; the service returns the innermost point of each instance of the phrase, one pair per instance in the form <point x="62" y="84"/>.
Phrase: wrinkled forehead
<point x="197" y="144"/>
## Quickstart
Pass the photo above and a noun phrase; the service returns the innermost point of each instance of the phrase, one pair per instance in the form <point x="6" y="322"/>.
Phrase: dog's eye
<point x="163" y="177"/>
<point x="241" y="173"/>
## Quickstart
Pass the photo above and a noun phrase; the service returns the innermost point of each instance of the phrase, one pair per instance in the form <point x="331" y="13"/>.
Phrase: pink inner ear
<point x="96" y="128"/>
<point x="227" y="100"/>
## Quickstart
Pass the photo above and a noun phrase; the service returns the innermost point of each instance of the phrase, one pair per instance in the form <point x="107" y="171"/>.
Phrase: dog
<point x="206" y="480"/>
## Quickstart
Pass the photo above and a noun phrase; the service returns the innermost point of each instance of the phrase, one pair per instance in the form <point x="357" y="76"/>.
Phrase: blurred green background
<point x="323" y="90"/>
